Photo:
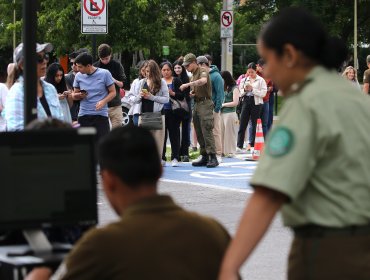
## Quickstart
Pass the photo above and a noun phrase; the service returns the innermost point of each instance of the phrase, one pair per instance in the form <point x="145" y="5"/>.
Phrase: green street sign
<point x="166" y="50"/>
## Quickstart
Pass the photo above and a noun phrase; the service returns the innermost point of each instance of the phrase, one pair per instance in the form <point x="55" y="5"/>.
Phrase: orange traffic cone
<point x="258" y="142"/>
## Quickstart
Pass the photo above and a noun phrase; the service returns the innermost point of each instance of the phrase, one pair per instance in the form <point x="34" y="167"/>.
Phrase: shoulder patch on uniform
<point x="281" y="142"/>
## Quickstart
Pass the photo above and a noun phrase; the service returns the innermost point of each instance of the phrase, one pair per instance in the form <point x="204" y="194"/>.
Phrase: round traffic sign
<point x="97" y="11"/>
<point x="227" y="19"/>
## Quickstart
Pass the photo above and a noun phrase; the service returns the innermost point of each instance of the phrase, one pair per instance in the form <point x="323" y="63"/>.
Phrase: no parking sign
<point x="94" y="17"/>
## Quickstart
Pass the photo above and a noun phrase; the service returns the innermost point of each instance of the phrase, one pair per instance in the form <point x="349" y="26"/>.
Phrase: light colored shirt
<point x="96" y="86"/>
<point x="14" y="106"/>
<point x="160" y="98"/>
<point x="318" y="155"/>
<point x="259" y="89"/>
<point x="131" y="96"/>
<point x="3" y="94"/>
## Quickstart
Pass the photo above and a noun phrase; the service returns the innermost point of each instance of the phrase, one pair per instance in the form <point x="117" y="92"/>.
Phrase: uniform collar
<point x="311" y="76"/>
<point x="156" y="203"/>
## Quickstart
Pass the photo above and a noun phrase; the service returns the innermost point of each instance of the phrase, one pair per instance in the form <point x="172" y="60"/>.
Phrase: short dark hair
<point x="166" y="63"/>
<point x="104" y="50"/>
<point x="84" y="59"/>
<point x="298" y="27"/>
<point x="260" y="62"/>
<point x="209" y="57"/>
<point x="131" y="154"/>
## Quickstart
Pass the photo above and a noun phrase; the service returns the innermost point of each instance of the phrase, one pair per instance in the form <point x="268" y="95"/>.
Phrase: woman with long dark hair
<point x="55" y="76"/>
<point x="316" y="158"/>
<point x="172" y="120"/>
<point x="229" y="118"/>
<point x="179" y="71"/>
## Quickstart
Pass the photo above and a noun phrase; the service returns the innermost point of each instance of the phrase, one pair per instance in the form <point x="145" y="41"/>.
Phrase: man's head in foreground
<point x="130" y="166"/>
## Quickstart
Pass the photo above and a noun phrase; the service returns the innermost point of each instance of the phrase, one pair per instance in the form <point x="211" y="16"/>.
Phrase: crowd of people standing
<point x="199" y="105"/>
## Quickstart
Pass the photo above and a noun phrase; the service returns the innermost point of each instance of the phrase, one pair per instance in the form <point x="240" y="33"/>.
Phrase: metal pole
<point x="29" y="62"/>
<point x="14" y="35"/>
<point x="355" y="56"/>
<point x="227" y="44"/>
<point x="93" y="40"/>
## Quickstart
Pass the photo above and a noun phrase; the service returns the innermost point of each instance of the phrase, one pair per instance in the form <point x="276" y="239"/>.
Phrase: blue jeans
<point x="136" y="119"/>
<point x="265" y="117"/>
<point x="271" y="111"/>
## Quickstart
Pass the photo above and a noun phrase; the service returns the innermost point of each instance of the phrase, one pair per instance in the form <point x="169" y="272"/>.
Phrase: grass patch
<point x="192" y="154"/>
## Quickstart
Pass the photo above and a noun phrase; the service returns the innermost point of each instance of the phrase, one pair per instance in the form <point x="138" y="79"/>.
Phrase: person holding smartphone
<point x="94" y="87"/>
<point x="55" y="76"/>
<point x="252" y="89"/>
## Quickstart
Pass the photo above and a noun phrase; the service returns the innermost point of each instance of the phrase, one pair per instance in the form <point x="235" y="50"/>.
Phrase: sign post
<point x="227" y="33"/>
<point x="94" y="17"/>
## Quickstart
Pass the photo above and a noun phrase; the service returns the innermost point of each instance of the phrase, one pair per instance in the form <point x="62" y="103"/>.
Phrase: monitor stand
<point x="38" y="241"/>
<point x="38" y="245"/>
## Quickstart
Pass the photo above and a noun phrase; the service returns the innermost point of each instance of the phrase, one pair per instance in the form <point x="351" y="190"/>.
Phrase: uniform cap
<point x="202" y="59"/>
<point x="18" y="52"/>
<point x="189" y="58"/>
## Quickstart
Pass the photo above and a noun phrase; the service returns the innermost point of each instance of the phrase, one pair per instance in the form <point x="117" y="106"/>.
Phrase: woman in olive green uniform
<point x="316" y="162"/>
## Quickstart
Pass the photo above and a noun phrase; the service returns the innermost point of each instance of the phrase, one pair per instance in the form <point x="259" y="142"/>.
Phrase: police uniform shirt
<point x="367" y="78"/>
<point x="204" y="91"/>
<point x="318" y="155"/>
<point x="155" y="239"/>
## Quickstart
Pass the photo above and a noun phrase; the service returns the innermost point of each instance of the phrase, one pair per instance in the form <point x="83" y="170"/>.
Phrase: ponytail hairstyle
<point x="252" y="65"/>
<point x="296" y="26"/>
<point x="154" y="77"/>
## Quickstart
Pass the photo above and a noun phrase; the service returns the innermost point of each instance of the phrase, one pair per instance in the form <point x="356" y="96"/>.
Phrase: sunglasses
<point x="41" y="58"/>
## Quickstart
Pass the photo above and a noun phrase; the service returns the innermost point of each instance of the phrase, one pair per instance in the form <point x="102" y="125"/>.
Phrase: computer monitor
<point x="47" y="178"/>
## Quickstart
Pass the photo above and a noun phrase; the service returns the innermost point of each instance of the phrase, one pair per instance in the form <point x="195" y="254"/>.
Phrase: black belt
<point x="199" y="99"/>
<point x="320" y="231"/>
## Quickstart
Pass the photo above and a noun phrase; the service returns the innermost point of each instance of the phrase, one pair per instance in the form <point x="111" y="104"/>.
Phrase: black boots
<point x="208" y="160"/>
<point x="212" y="161"/>
<point x="203" y="161"/>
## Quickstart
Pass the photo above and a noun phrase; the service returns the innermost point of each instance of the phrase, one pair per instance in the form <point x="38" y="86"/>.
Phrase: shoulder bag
<point x="150" y="120"/>
<point x="180" y="107"/>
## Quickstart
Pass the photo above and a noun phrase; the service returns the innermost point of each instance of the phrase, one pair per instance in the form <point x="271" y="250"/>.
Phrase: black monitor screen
<point x="47" y="178"/>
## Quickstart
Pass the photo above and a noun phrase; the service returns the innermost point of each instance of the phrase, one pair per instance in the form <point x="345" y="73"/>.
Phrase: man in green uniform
<point x="201" y="89"/>
<point x="154" y="238"/>
<point x="366" y="81"/>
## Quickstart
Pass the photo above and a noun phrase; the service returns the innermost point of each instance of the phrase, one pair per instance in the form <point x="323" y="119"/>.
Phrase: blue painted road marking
<point x="230" y="174"/>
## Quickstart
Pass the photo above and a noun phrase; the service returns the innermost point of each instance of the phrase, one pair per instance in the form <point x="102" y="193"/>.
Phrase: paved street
<point x="225" y="202"/>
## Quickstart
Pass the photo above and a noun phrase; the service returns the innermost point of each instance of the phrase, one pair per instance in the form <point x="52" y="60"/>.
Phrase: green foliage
<point x="147" y="25"/>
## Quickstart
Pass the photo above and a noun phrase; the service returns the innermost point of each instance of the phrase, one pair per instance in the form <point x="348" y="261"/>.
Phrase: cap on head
<point x="368" y="59"/>
<point x="18" y="52"/>
<point x="189" y="58"/>
<point x="202" y="59"/>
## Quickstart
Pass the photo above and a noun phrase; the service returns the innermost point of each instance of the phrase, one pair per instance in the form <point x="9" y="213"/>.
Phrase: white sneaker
<point x="239" y="151"/>
<point x="175" y="163"/>
<point x="219" y="159"/>
<point x="163" y="163"/>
